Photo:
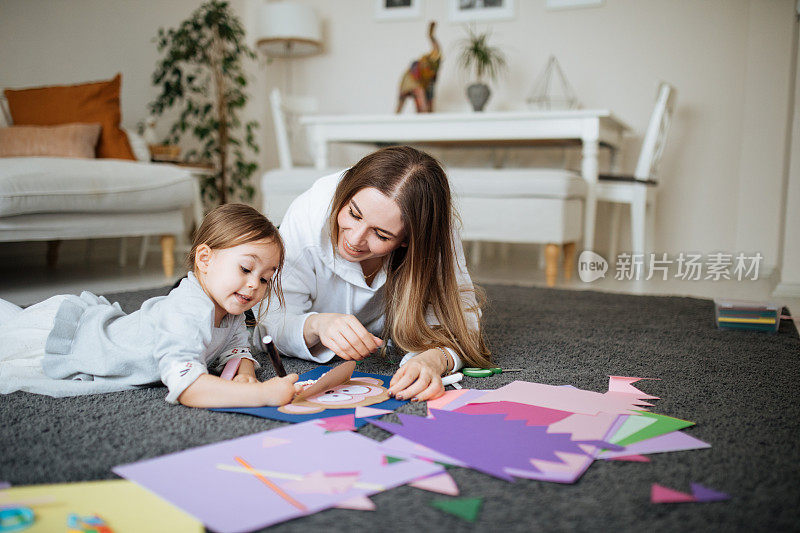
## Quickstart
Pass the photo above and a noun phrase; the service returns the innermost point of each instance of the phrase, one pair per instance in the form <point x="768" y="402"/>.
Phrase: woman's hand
<point x="343" y="334"/>
<point x="420" y="378"/>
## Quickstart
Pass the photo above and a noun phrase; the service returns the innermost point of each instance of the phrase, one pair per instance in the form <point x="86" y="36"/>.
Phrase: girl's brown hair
<point x="230" y="225"/>
<point x="421" y="275"/>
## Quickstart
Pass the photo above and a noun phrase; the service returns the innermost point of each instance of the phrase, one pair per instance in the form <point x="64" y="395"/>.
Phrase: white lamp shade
<point x="287" y="29"/>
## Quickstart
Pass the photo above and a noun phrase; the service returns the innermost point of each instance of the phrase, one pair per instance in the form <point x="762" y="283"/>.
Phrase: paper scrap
<point x="532" y="414"/>
<point x="464" y="508"/>
<point x="338" y="423"/>
<point x="704" y="494"/>
<point x="632" y="458"/>
<point x="271" y="442"/>
<point x="671" y="442"/>
<point x="364" y="412"/>
<point x="358" y="503"/>
<point x="661" y="494"/>
<point x="661" y="425"/>
<point x="623" y="385"/>
<point x="442" y="483"/>
<point x="124" y="505"/>
<point x="319" y="482"/>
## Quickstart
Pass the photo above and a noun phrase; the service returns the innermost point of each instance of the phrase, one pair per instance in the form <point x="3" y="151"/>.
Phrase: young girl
<point x="70" y="345"/>
<point x="373" y="255"/>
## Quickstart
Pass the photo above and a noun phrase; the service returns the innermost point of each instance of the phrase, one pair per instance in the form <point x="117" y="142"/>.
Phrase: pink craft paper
<point x="364" y="412"/>
<point x="442" y="483"/>
<point x="338" y="423"/>
<point x="207" y="482"/>
<point x="660" y="494"/>
<point x="631" y="458"/>
<point x="532" y="414"/>
<point x="623" y="385"/>
<point x="358" y="503"/>
<point x="444" y="399"/>
<point x="704" y="494"/>
<point x="564" y="398"/>
<point x="466" y="396"/>
<point x="671" y="442"/>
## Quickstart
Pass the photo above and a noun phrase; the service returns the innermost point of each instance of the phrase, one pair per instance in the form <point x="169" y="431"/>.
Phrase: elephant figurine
<point x="419" y="80"/>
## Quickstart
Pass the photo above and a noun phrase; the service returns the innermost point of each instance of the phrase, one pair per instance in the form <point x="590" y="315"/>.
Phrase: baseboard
<point x="787" y="289"/>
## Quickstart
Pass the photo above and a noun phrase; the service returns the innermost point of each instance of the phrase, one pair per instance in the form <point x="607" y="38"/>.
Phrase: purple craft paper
<point x="398" y="444"/>
<point x="208" y="483"/>
<point x="487" y="443"/>
<point x="704" y="494"/>
<point x="671" y="442"/>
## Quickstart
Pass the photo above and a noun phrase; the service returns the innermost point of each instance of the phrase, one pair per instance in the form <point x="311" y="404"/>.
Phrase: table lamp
<point x="288" y="30"/>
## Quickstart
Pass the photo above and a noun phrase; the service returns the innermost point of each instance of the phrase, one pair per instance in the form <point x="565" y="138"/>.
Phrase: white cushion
<point x="51" y="226"/>
<point x="63" y="185"/>
<point x="516" y="182"/>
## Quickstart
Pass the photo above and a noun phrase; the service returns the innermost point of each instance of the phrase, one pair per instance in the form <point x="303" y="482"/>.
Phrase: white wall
<point x="722" y="170"/>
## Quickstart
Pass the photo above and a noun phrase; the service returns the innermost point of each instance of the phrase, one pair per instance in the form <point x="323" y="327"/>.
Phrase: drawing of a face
<point x="357" y="392"/>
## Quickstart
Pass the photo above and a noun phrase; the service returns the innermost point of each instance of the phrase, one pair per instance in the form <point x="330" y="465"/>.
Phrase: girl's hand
<point x="278" y="391"/>
<point x="343" y="334"/>
<point x="419" y="379"/>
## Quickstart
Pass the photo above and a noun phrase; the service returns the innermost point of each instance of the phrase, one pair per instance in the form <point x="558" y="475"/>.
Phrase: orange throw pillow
<point x="66" y="140"/>
<point x="87" y="102"/>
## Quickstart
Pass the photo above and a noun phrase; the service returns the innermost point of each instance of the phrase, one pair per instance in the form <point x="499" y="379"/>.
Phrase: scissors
<point x="486" y="372"/>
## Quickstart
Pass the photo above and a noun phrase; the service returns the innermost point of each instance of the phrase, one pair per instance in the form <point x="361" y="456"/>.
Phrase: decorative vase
<point x="478" y="94"/>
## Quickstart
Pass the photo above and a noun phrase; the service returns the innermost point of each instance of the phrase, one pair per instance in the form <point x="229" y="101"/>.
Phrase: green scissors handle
<point x="486" y="372"/>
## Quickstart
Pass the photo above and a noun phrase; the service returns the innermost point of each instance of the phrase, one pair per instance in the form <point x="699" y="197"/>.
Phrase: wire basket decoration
<point x="552" y="90"/>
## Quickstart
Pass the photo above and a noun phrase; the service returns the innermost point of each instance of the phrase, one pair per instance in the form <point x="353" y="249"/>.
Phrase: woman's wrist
<point x="449" y="364"/>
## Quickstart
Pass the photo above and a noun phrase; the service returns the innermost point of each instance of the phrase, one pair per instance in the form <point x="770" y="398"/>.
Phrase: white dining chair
<point x="639" y="189"/>
<point x="280" y="186"/>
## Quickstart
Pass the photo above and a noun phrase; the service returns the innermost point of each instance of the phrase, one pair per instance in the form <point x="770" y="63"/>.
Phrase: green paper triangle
<point x="390" y="459"/>
<point x="663" y="424"/>
<point x="465" y="508"/>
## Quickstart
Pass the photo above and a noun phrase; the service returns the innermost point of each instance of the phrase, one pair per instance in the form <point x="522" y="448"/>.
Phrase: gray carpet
<point x="740" y="387"/>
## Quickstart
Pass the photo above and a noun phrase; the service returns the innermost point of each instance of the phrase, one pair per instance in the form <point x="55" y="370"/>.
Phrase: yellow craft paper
<point x="123" y="505"/>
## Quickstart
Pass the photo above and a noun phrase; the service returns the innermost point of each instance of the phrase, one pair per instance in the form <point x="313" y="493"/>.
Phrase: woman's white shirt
<point x="316" y="279"/>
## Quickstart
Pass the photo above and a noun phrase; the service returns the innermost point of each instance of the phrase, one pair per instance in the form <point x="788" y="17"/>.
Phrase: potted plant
<point x="201" y="74"/>
<point x="485" y="61"/>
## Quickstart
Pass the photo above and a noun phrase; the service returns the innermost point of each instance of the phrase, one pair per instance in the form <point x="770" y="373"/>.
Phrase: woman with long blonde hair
<point x="372" y="254"/>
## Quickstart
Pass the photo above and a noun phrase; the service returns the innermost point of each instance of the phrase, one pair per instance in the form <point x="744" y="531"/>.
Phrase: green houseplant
<point x="482" y="59"/>
<point x="201" y="74"/>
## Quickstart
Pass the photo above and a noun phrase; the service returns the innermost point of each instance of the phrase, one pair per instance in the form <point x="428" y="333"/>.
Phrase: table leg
<point x="569" y="260"/>
<point x="168" y="254"/>
<point x="589" y="171"/>
<point x="551" y="252"/>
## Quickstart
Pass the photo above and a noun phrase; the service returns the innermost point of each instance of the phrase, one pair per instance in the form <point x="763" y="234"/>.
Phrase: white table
<point x="590" y="128"/>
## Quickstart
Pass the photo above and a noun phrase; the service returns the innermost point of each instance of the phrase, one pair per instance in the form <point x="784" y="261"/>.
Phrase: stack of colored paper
<point x="758" y="316"/>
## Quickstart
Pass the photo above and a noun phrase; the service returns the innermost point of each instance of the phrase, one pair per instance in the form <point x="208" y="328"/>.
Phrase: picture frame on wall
<point x="397" y="9"/>
<point x="479" y="10"/>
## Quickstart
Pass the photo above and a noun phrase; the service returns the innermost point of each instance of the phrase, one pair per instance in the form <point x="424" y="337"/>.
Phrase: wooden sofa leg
<point x="551" y="252"/>
<point x="569" y="260"/>
<point x="52" y="253"/>
<point x="168" y="254"/>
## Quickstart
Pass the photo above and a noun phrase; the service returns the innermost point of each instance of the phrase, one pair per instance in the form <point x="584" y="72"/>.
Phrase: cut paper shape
<point x="464" y="508"/>
<point x="240" y="502"/>
<point x="661" y="494"/>
<point x="364" y="412"/>
<point x="661" y="425"/>
<point x="332" y="378"/>
<point x="331" y="410"/>
<point x="487" y="443"/>
<point x="632" y="458"/>
<point x="442" y="483"/>
<point x="623" y="385"/>
<point x="704" y="494"/>
<point x="338" y="423"/>
<point x="321" y="483"/>
<point x="671" y="442"/>
<point x="390" y="459"/>
<point x="466" y="396"/>
<point x="565" y="398"/>
<point x="401" y="444"/>
<point x="280" y="492"/>
<point x="271" y="442"/>
<point x="532" y="414"/>
<point x="632" y="425"/>
<point x="123" y="504"/>
<point x="359" y="503"/>
<point x="446" y="398"/>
